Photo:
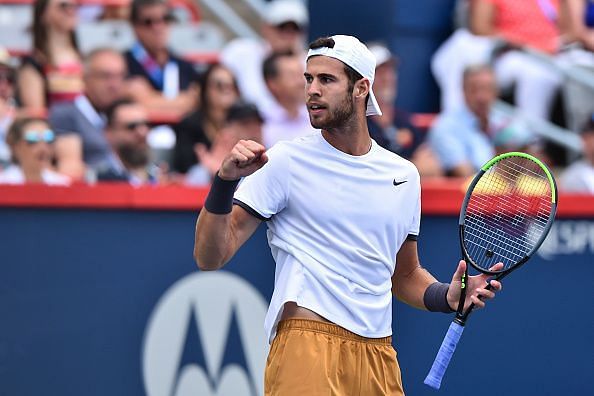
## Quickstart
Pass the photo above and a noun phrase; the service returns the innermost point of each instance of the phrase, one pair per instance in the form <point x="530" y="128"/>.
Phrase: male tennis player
<point x="343" y="218"/>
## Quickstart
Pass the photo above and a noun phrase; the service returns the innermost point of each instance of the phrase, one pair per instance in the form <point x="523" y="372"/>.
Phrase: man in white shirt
<point x="579" y="176"/>
<point x="283" y="29"/>
<point x="341" y="213"/>
<point x="287" y="117"/>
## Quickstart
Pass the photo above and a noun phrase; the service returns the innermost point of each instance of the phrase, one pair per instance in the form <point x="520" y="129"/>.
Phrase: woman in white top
<point x="31" y="143"/>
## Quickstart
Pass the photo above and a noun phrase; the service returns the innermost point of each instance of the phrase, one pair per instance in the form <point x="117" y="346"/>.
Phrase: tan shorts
<point x="314" y="358"/>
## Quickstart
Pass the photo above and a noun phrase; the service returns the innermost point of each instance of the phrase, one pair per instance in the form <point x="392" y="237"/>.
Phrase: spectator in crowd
<point x="498" y="32"/>
<point x="579" y="176"/>
<point x="577" y="60"/>
<point x="30" y="141"/>
<point x="393" y="129"/>
<point x="53" y="72"/>
<point x="130" y="159"/>
<point x="283" y="29"/>
<point x="219" y="92"/>
<point x="286" y="117"/>
<point x="84" y="119"/>
<point x="7" y="105"/>
<point x="536" y="84"/>
<point x="158" y="79"/>
<point x="462" y="138"/>
<point x="243" y="121"/>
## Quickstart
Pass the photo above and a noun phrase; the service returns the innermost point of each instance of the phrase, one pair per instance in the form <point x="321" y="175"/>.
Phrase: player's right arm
<point x="221" y="228"/>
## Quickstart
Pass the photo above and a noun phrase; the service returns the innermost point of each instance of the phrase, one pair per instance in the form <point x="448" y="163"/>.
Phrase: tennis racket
<point x="506" y="214"/>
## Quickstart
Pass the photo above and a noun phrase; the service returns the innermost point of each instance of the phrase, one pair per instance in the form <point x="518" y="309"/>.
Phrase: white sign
<point x="568" y="237"/>
<point x="212" y="298"/>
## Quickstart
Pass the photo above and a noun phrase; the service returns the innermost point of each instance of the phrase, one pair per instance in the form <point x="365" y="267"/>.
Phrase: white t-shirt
<point x="279" y="125"/>
<point x="244" y="57"/>
<point x="578" y="178"/>
<point x="14" y="175"/>
<point x="336" y="223"/>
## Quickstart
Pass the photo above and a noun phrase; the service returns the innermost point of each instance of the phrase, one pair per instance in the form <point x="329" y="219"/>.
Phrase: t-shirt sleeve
<point x="265" y="192"/>
<point x="443" y="141"/>
<point x="415" y="227"/>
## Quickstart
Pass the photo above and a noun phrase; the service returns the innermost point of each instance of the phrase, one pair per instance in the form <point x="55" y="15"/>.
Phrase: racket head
<point x="507" y="212"/>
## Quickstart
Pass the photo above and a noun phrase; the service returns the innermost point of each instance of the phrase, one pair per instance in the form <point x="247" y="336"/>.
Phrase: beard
<point x="337" y="116"/>
<point x="134" y="157"/>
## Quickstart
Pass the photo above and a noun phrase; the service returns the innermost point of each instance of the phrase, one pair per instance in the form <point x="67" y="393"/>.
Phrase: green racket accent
<point x="531" y="158"/>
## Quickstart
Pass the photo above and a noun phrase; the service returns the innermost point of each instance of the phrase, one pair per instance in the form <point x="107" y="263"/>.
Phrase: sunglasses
<point x="221" y="85"/>
<point x="34" y="137"/>
<point x="134" y="125"/>
<point x="150" y="22"/>
<point x="67" y="6"/>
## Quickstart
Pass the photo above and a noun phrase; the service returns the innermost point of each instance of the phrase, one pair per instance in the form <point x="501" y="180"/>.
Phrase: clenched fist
<point x="245" y="158"/>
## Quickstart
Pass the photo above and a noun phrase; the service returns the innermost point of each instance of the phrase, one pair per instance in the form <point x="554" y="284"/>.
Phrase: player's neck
<point x="352" y="139"/>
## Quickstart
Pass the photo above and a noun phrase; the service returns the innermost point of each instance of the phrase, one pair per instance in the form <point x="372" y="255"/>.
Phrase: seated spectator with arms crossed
<point x="158" y="79"/>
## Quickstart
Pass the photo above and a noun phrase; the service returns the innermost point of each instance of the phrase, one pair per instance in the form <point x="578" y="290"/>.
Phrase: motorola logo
<point x="206" y="337"/>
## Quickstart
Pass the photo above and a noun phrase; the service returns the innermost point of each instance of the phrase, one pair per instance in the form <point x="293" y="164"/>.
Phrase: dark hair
<point x="241" y="111"/>
<point x="40" y="33"/>
<point x="111" y="111"/>
<point x="137" y="5"/>
<point x="16" y="129"/>
<point x="270" y="65"/>
<point x="328" y="42"/>
<point x="203" y="81"/>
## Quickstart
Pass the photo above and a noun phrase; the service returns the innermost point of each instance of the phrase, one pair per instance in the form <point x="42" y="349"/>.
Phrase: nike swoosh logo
<point x="399" y="183"/>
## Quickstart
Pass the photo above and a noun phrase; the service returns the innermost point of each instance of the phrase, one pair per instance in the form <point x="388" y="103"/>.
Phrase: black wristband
<point x="436" y="298"/>
<point x="220" y="196"/>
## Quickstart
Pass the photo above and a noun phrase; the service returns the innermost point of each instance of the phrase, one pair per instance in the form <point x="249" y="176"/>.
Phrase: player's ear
<point x="362" y="88"/>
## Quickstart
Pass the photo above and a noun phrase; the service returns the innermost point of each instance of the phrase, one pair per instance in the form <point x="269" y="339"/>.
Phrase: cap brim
<point x="372" y="106"/>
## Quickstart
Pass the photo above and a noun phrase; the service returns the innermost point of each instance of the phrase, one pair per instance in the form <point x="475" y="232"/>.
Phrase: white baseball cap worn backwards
<point x="350" y="51"/>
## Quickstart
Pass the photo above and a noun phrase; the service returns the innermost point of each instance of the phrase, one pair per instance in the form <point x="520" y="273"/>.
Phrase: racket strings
<point x="507" y="213"/>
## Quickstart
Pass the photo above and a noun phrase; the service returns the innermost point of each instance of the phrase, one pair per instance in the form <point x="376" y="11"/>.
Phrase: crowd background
<point x="157" y="92"/>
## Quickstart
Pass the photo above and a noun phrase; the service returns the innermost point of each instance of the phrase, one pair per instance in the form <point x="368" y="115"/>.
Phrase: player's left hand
<point x="476" y="286"/>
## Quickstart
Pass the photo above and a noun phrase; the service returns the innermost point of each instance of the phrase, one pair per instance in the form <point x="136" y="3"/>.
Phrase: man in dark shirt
<point x="158" y="79"/>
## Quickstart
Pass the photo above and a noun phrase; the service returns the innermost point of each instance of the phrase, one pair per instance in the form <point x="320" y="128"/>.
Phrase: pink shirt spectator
<point x="528" y="22"/>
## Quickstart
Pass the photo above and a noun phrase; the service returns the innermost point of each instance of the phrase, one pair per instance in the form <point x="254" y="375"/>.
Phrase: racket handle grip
<point x="445" y="353"/>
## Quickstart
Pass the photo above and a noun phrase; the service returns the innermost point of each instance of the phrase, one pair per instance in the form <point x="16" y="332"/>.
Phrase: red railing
<point x="439" y="197"/>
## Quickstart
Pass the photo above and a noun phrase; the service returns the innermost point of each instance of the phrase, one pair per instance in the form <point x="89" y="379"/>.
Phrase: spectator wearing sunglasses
<point x="204" y="125"/>
<point x="158" y="79"/>
<point x="283" y="29"/>
<point x="7" y="105"/>
<point x="130" y="158"/>
<point x="53" y="72"/>
<point x="31" y="143"/>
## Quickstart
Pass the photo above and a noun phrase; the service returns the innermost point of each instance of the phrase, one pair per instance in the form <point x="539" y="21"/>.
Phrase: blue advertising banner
<point x="109" y="302"/>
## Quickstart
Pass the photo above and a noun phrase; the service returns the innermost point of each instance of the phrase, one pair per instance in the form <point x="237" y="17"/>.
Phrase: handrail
<point x="440" y="197"/>
<point x="544" y="128"/>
